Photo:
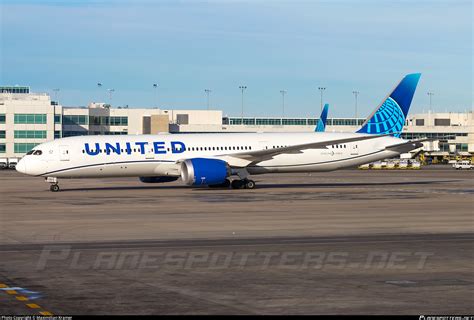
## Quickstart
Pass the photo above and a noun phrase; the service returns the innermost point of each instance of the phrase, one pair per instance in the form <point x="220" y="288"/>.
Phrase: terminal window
<point x="300" y="122"/>
<point x="2" y="118"/>
<point x="74" y="133"/>
<point x="442" y="122"/>
<point x="30" y="134"/>
<point x="263" y="122"/>
<point x="2" y="148"/>
<point x="182" y="119"/>
<point x="119" y="121"/>
<point x="2" y="134"/>
<point x="23" y="118"/>
<point x="15" y="89"/>
<point x="74" y="120"/>
<point x="24" y="147"/>
<point x="420" y="122"/>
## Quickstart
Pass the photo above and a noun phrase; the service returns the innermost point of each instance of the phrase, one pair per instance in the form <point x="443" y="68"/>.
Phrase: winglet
<point x="321" y="126"/>
<point x="390" y="115"/>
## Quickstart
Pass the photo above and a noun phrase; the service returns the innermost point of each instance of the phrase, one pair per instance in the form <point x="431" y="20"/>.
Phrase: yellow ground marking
<point x="22" y="298"/>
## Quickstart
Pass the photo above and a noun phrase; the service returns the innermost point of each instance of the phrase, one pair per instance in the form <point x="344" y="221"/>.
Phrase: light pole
<point x="356" y="93"/>
<point x="56" y="92"/>
<point x="321" y="90"/>
<point x="155" y="87"/>
<point x="110" y="94"/>
<point x="283" y="92"/>
<point x="430" y="94"/>
<point x="207" y="91"/>
<point x="242" y="88"/>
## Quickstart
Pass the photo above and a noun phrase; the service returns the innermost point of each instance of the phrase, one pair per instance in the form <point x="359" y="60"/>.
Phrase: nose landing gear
<point x="54" y="187"/>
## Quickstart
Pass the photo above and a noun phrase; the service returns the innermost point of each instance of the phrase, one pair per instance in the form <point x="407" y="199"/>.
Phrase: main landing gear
<point x="235" y="184"/>
<point x="243" y="184"/>
<point x="54" y="187"/>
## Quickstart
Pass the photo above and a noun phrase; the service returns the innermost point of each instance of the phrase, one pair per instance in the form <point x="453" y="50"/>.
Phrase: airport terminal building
<point x="28" y="119"/>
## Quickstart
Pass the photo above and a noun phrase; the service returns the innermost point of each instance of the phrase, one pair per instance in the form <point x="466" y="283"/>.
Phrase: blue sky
<point x="188" y="46"/>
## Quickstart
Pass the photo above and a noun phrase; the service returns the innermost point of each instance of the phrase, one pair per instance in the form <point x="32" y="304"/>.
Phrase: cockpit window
<point x="38" y="152"/>
<point x="30" y="152"/>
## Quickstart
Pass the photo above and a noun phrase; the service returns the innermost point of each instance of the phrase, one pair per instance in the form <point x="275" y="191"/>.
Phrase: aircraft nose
<point x="21" y="166"/>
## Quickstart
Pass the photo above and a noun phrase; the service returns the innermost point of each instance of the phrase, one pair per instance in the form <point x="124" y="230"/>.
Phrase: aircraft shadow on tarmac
<point x="264" y="185"/>
<point x="350" y="184"/>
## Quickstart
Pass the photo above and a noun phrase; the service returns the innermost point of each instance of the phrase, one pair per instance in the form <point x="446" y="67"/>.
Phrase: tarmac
<point x="344" y="242"/>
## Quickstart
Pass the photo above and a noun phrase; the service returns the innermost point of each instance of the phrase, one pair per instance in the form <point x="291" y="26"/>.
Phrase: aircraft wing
<point x="243" y="159"/>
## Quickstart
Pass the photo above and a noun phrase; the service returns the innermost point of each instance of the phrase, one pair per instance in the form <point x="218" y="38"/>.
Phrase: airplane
<point x="226" y="159"/>
<point x="321" y="126"/>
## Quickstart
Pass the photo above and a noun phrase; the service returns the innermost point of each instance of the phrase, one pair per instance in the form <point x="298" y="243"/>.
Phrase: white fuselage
<point x="154" y="155"/>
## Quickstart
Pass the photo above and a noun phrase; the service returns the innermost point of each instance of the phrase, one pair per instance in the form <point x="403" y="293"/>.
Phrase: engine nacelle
<point x="202" y="171"/>
<point x="158" y="179"/>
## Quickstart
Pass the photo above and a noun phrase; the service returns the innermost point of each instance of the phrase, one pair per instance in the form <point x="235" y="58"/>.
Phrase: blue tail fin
<point x="390" y="115"/>
<point x="322" y="119"/>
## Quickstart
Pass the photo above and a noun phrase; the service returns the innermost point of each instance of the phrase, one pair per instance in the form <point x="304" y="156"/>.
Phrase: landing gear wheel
<point x="249" y="184"/>
<point x="54" y="188"/>
<point x="237" y="184"/>
<point x="226" y="183"/>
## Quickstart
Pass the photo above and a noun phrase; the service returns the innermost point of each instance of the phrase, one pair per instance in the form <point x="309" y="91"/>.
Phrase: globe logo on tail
<point x="389" y="118"/>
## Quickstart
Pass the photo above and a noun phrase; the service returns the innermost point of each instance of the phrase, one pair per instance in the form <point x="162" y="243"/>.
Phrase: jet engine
<point x="202" y="171"/>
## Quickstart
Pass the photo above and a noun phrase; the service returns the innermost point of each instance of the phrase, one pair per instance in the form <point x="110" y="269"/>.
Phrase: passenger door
<point x="64" y="153"/>
<point x="354" y="149"/>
